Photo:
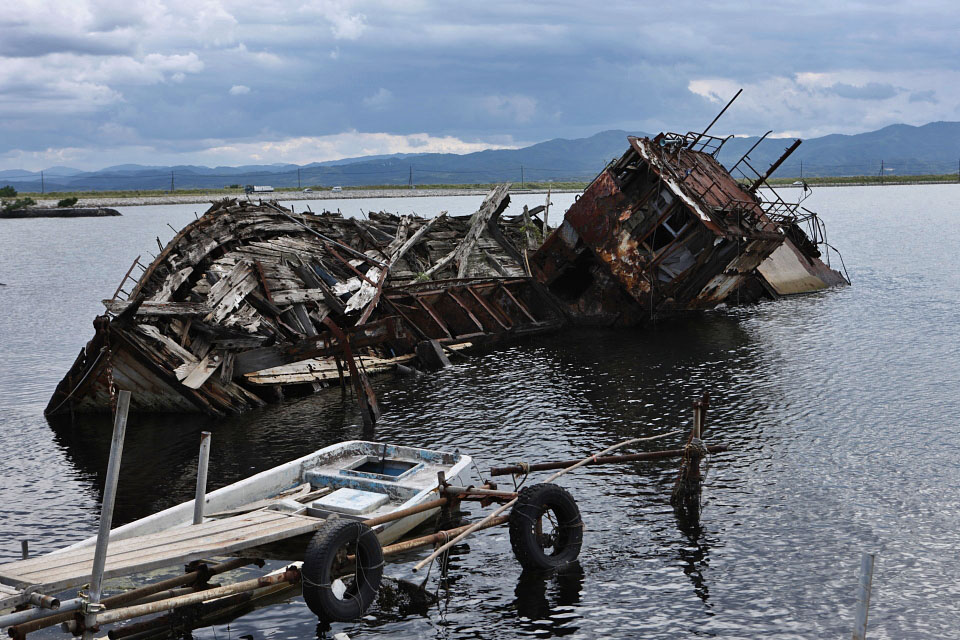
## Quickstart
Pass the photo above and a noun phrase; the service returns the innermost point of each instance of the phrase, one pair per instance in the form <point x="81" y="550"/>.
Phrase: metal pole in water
<point x="863" y="596"/>
<point x="106" y="513"/>
<point x="201" y="497"/>
<point x="697" y="419"/>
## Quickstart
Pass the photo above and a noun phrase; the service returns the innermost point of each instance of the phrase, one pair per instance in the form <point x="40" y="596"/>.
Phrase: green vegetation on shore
<point x="228" y="192"/>
<point x="537" y="186"/>
<point x="869" y="180"/>
<point x="7" y="206"/>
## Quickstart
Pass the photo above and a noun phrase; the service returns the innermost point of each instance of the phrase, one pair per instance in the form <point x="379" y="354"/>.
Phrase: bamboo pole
<point x="403" y="513"/>
<point x="221" y="606"/>
<point x="632" y="457"/>
<point x="479" y="525"/>
<point x="433" y="538"/>
<point x="27" y="616"/>
<point x="454" y="492"/>
<point x="440" y="536"/>
<point x="463" y="492"/>
<point x="20" y="631"/>
<point x="863" y="596"/>
<point x="135" y="611"/>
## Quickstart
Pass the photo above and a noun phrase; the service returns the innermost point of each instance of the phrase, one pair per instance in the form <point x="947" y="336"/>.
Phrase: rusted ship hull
<point x="666" y="229"/>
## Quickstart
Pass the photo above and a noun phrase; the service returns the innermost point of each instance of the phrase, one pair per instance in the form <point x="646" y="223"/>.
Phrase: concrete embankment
<point x="60" y="212"/>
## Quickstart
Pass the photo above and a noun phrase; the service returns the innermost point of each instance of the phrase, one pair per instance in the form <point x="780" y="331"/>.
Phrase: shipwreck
<point x="253" y="302"/>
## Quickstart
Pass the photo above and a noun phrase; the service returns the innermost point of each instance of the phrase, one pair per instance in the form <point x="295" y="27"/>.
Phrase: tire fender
<point x="323" y="595"/>
<point x="532" y="503"/>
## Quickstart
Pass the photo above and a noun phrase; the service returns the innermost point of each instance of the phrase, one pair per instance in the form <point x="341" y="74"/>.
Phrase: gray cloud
<point x="924" y="96"/>
<point x="869" y="91"/>
<point x="379" y="100"/>
<point x="161" y="71"/>
<point x="25" y="43"/>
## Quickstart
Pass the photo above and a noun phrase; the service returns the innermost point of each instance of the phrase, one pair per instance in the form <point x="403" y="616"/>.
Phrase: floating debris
<point x="337" y="514"/>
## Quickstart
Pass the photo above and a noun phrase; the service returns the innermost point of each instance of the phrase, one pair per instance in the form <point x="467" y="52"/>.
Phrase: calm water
<point x="840" y="408"/>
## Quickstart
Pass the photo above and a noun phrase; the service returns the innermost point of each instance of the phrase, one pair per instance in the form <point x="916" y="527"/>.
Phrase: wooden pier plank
<point x="135" y="561"/>
<point x="181" y="536"/>
<point x="185" y="535"/>
<point x="62" y="570"/>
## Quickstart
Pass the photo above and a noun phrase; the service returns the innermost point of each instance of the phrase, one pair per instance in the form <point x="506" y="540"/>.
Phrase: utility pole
<point x="171" y="182"/>
<point x="298" y="177"/>
<point x="410" y="179"/>
<point x="881" y="172"/>
<point x="521" y="176"/>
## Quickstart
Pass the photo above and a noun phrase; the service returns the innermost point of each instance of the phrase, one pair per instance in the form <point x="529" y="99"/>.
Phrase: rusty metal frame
<point x="489" y="309"/>
<point x="517" y="302"/>
<point x="453" y="296"/>
<point x="433" y="314"/>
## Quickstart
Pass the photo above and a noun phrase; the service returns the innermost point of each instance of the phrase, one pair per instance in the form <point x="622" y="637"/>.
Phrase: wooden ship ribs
<point x="252" y="302"/>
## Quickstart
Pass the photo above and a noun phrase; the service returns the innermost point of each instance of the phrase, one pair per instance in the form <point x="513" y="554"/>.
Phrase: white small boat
<point x="355" y="479"/>
<point x="285" y="513"/>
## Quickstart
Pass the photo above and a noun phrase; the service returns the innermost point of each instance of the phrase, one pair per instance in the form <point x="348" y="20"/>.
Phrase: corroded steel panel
<point x="597" y="217"/>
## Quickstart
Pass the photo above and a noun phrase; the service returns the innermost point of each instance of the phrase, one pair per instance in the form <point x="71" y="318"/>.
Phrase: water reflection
<point x="545" y="601"/>
<point x="559" y="396"/>
<point x="695" y="557"/>
<point x="160" y="452"/>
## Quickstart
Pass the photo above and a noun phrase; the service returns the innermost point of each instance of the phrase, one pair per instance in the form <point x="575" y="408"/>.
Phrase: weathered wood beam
<point x="268" y="357"/>
<point x="493" y="205"/>
<point x="149" y="308"/>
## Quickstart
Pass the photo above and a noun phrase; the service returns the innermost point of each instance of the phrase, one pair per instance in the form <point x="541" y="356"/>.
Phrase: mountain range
<point x="898" y="149"/>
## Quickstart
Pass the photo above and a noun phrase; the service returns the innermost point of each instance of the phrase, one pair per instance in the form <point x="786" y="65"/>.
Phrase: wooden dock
<point x="69" y="568"/>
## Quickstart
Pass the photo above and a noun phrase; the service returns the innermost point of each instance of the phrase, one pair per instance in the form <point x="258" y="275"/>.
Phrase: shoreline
<point x="352" y="194"/>
<point x="94" y="201"/>
<point x="885" y="183"/>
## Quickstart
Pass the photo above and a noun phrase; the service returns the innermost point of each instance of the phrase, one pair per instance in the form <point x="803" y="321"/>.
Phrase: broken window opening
<point x="675" y="263"/>
<point x="667" y="231"/>
<point x="667" y="244"/>
<point x="574" y="281"/>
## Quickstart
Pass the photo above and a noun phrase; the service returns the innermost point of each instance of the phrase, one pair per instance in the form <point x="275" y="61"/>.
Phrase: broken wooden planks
<point x="249" y="287"/>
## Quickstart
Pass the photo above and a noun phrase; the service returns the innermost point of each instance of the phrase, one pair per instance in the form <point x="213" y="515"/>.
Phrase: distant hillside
<point x="904" y="150"/>
<point x="933" y="148"/>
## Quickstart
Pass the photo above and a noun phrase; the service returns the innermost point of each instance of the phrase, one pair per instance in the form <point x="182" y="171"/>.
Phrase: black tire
<point x="534" y="549"/>
<point x="325" y="557"/>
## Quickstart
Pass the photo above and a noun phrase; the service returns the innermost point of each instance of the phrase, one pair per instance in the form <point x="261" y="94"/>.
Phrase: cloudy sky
<point x="89" y="84"/>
